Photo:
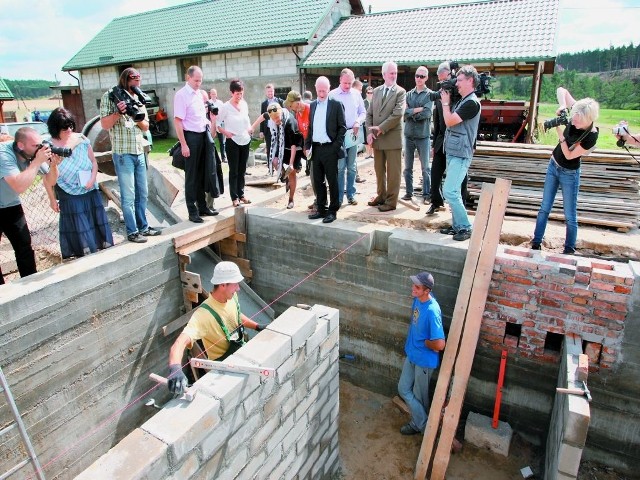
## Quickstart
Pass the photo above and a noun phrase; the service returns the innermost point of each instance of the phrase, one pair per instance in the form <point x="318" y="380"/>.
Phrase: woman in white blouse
<point x="237" y="130"/>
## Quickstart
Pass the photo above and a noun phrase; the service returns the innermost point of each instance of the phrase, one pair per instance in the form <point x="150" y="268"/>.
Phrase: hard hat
<point x="226" y="272"/>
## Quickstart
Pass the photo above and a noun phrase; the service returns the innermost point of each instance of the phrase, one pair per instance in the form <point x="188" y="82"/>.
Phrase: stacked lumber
<point x="609" y="182"/>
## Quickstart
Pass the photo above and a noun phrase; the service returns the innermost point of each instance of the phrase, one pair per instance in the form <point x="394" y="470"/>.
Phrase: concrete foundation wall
<point x="240" y="427"/>
<point x="363" y="271"/>
<point x="77" y="343"/>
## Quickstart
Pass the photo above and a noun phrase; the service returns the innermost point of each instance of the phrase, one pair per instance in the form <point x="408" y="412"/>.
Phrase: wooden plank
<point x="228" y="247"/>
<point x="239" y="237"/>
<point x="191" y="281"/>
<point x="209" y="228"/>
<point x="455" y="332"/>
<point x="183" y="261"/>
<point x="176" y="324"/>
<point x="206" y="240"/>
<point x="240" y="218"/>
<point x="477" y="301"/>
<point x="243" y="264"/>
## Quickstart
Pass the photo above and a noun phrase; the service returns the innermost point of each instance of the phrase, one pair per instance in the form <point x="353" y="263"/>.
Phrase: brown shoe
<point x="374" y="202"/>
<point x="386" y="208"/>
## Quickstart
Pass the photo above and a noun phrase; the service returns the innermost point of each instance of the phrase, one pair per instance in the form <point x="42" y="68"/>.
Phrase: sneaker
<point x="569" y="251"/>
<point x="290" y="205"/>
<point x="408" y="430"/>
<point x="360" y="180"/>
<point x="448" y="231"/>
<point x="151" y="232"/>
<point x="136" y="238"/>
<point x="352" y="201"/>
<point x="536" y="246"/>
<point x="407" y="196"/>
<point x="462" y="235"/>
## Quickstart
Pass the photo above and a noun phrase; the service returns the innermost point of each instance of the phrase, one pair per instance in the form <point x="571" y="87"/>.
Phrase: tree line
<point x="28" y="89"/>
<point x="605" y="75"/>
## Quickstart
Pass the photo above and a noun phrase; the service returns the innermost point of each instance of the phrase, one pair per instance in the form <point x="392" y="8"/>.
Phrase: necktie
<point x="384" y="95"/>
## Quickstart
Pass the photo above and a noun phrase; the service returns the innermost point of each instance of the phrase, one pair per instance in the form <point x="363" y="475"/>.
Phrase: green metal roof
<point x="483" y="31"/>
<point x="202" y="27"/>
<point x="5" y="92"/>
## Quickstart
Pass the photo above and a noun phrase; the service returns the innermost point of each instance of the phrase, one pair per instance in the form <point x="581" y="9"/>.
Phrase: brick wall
<point x="240" y="427"/>
<point x="536" y="298"/>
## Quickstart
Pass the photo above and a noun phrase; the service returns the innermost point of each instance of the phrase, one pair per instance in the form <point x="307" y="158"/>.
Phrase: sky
<point x="36" y="41"/>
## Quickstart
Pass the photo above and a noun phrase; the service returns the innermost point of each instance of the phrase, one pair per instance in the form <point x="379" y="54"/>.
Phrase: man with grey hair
<point x="462" y="120"/>
<point x="417" y="133"/>
<point x="354" y="114"/>
<point x="327" y="128"/>
<point x="384" y="133"/>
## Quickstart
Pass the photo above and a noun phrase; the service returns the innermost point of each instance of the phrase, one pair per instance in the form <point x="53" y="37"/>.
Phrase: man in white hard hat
<point x="217" y="322"/>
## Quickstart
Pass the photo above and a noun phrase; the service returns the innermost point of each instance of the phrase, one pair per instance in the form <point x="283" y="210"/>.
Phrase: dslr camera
<point x="562" y="119"/>
<point x="118" y="94"/>
<point x="211" y="107"/>
<point x="622" y="128"/>
<point x="60" y="151"/>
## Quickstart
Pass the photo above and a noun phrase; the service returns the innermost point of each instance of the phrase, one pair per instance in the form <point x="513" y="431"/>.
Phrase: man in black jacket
<point x="327" y="128"/>
<point x="438" y="155"/>
<point x="265" y="133"/>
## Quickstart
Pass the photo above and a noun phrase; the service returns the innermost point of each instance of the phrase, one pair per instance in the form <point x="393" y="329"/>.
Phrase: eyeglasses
<point x="66" y="126"/>
<point x="369" y="91"/>
<point x="420" y="76"/>
<point x="134" y="77"/>
<point x="272" y="110"/>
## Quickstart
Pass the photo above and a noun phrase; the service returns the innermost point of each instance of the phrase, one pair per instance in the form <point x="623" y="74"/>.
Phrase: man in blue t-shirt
<point x="424" y="342"/>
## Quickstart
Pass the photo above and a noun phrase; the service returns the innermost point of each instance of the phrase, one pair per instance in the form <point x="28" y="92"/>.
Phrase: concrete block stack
<point x="241" y="427"/>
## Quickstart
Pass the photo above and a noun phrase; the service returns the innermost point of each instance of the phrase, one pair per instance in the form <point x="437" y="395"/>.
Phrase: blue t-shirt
<point x="426" y="324"/>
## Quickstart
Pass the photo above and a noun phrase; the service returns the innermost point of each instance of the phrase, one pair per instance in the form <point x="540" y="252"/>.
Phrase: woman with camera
<point x="237" y="130"/>
<point x="576" y="140"/>
<point x="84" y="227"/>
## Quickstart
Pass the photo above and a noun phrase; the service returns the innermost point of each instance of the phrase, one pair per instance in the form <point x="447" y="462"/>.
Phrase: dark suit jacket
<point x="439" y="126"/>
<point x="336" y="125"/>
<point x="263" y="108"/>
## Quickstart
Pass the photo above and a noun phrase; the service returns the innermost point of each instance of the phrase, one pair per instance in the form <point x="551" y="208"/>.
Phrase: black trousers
<point x="194" y="172"/>
<point x="14" y="225"/>
<point x="438" y="167"/>
<point x="221" y="141"/>
<point x="237" y="157"/>
<point x="325" y="173"/>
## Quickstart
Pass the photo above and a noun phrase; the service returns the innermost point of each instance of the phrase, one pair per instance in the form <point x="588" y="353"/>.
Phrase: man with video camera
<point x="20" y="162"/>
<point x="462" y="120"/>
<point x="124" y="115"/>
<point x="576" y="140"/>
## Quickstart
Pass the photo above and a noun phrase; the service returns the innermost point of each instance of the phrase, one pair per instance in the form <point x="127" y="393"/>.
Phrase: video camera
<point x="118" y="94"/>
<point x="483" y="87"/>
<point x="562" y="119"/>
<point x="211" y="107"/>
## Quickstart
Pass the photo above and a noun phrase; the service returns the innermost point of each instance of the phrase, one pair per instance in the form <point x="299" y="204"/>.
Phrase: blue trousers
<point x="132" y="179"/>
<point x="413" y="387"/>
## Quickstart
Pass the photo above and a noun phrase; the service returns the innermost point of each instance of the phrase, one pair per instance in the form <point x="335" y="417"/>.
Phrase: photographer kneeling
<point x="576" y="140"/>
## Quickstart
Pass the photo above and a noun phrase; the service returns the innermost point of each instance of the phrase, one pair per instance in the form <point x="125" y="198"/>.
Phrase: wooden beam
<point x="535" y="92"/>
<point x="203" y="235"/>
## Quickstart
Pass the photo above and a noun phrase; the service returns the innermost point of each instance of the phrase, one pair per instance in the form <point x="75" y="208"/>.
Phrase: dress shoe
<point x="195" y="219"/>
<point x="462" y="235"/>
<point x="315" y="216"/>
<point x="386" y="208"/>
<point x="375" y="202"/>
<point x="329" y="218"/>
<point x="407" y="196"/>
<point x="207" y="212"/>
<point x="432" y="209"/>
<point x="408" y="430"/>
<point x="360" y="180"/>
<point x="448" y="231"/>
<point x="536" y="246"/>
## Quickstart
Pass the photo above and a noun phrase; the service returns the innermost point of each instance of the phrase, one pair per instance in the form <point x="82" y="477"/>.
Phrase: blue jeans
<point x="457" y="168"/>
<point x="347" y="163"/>
<point x="413" y="387"/>
<point x="569" y="182"/>
<point x="423" y="145"/>
<point x="132" y="178"/>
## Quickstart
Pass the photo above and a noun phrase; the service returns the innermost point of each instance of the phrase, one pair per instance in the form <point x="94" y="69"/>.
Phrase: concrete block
<point x="318" y="466"/>
<point x="330" y="343"/>
<point x="246" y="431"/>
<point x="274" y="403"/>
<point x="274" y="443"/>
<point x="577" y="417"/>
<point x="331" y="315"/>
<point x="317" y="337"/>
<point x="293" y="435"/>
<point x="302" y="408"/>
<point x="218" y="436"/>
<point x="269" y="349"/>
<point x="332" y="464"/>
<point x="569" y="459"/>
<point x="290" y="365"/>
<point x="479" y="432"/>
<point x="183" y="425"/>
<point x="260" y="437"/>
<point x="297" y="323"/>
<point x="229" y="388"/>
<point x="138" y="455"/>
<point x="188" y="468"/>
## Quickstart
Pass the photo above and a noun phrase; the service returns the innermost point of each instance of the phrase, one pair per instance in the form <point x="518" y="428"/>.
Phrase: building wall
<point x="364" y="273"/>
<point x="239" y="426"/>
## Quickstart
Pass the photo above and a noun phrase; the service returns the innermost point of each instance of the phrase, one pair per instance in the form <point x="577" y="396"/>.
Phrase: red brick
<point x="592" y="350"/>
<point x="487" y="337"/>
<point x="553" y="313"/>
<point x="608" y="276"/>
<point x="501" y="260"/>
<point x="605" y="287"/>
<point x="492" y="322"/>
<point x="520" y="272"/>
<point x="527" y="265"/>
<point x="546" y="285"/>
<point x="581" y="292"/>
<point x="617" y="307"/>
<point x="550" y="357"/>
<point x="591" y="320"/>
<point x="491" y="307"/>
<point x="601" y="266"/>
<point x="550" y="303"/>
<point x="509" y="303"/>
<point x="559" y="296"/>
<point x="572" y="307"/>
<point x="580" y="300"/>
<point x="562" y="279"/>
<point x="622" y="289"/>
<point x="519" y="280"/>
<point x="628" y="281"/>
<point x="528" y="323"/>
<point x="612" y="297"/>
<point x="583" y="278"/>
<point x="495" y="331"/>
<point x="563" y="260"/>
<point x="511" y="341"/>
<point x="553" y="329"/>
<point x="536" y="274"/>
<point x="518" y="253"/>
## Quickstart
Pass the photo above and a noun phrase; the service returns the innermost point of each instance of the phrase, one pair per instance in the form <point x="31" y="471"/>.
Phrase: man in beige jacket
<point x="384" y="127"/>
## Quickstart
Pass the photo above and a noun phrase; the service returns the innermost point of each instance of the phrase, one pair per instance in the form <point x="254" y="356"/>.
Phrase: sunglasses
<point x="272" y="110"/>
<point x="420" y="76"/>
<point x="66" y="126"/>
<point x="134" y="77"/>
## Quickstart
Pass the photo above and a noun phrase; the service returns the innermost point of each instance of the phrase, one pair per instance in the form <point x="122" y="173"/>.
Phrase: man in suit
<point x="384" y="129"/>
<point x="327" y="128"/>
<point x="265" y="133"/>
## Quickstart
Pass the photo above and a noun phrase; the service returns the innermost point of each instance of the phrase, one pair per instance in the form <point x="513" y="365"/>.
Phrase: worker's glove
<point x="177" y="380"/>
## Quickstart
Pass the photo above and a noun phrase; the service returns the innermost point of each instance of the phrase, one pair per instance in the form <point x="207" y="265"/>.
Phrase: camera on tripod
<point x="118" y="94"/>
<point x="482" y="88"/>
<point x="562" y="119"/>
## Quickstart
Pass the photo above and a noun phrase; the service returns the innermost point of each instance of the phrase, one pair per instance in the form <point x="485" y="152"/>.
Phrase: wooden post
<point x="533" y="102"/>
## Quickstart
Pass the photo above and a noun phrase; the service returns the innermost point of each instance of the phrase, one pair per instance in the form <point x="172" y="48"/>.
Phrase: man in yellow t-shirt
<point x="217" y="321"/>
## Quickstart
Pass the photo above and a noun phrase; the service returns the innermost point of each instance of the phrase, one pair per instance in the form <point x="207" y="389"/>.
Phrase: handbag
<point x="177" y="160"/>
